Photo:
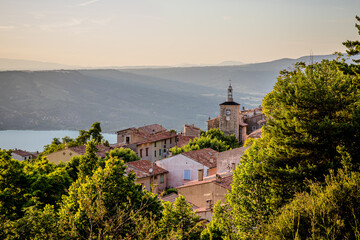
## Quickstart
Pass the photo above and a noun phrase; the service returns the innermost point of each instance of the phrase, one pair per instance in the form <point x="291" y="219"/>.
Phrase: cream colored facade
<point x="153" y="184"/>
<point x="157" y="150"/>
<point x="200" y="194"/>
<point x="64" y="156"/>
<point x="206" y="192"/>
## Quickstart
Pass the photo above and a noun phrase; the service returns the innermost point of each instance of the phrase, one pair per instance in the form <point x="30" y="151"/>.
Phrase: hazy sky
<point x="172" y="32"/>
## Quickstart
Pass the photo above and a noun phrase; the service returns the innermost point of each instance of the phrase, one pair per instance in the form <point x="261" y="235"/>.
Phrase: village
<point x="202" y="176"/>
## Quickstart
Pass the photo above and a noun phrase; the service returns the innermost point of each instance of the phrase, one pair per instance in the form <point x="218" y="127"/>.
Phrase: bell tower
<point x="229" y="115"/>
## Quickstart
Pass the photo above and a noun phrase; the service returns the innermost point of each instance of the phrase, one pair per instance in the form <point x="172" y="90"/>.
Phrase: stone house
<point x="184" y="166"/>
<point x="228" y="160"/>
<point x="206" y="191"/>
<point x="150" y="142"/>
<point x="66" y="154"/>
<point x="191" y="131"/>
<point x="156" y="146"/>
<point x="134" y="135"/>
<point x="152" y="177"/>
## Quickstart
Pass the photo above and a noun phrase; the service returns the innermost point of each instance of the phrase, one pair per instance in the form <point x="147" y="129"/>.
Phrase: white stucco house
<point x="185" y="167"/>
<point x="21" y="155"/>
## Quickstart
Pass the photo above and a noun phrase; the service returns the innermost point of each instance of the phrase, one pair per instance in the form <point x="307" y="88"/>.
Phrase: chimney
<point x="208" y="204"/>
<point x="233" y="166"/>
<point x="200" y="174"/>
<point x="218" y="178"/>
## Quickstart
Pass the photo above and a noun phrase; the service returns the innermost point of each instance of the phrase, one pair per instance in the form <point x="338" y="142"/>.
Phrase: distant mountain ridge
<point x="121" y="98"/>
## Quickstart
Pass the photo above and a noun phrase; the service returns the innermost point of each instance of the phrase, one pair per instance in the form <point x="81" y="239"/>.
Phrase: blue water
<point x="32" y="141"/>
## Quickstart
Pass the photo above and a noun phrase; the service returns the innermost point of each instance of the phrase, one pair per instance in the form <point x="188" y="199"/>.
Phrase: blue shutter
<point x="186" y="174"/>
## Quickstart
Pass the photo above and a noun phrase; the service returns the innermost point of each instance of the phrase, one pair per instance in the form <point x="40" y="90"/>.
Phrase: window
<point x="127" y="140"/>
<point x="155" y="153"/>
<point x="140" y="153"/>
<point x="162" y="178"/>
<point x="147" y="151"/>
<point x="154" y="144"/>
<point x="159" y="152"/>
<point x="170" y="140"/>
<point x="186" y="174"/>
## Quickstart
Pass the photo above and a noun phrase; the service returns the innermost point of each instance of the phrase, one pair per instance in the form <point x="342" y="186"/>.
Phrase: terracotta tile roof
<point x="172" y="198"/>
<point x="21" y="152"/>
<point x="206" y="156"/>
<point x="152" y="129"/>
<point x="183" y="140"/>
<point x="142" y="168"/>
<point x="158" y="137"/>
<point x="82" y="150"/>
<point x="226" y="180"/>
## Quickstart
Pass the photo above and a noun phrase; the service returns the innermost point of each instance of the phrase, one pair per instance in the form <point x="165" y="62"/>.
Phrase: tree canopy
<point x="213" y="138"/>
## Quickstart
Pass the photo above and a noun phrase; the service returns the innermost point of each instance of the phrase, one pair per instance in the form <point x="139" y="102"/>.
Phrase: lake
<point x="33" y="140"/>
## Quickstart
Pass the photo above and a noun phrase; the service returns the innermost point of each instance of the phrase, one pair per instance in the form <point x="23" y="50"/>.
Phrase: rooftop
<point x="183" y="140"/>
<point x="21" y="152"/>
<point x="172" y="198"/>
<point x="206" y="156"/>
<point x="152" y="129"/>
<point x="229" y="103"/>
<point x="142" y="168"/>
<point x="236" y="152"/>
<point x="225" y="182"/>
<point x="157" y="137"/>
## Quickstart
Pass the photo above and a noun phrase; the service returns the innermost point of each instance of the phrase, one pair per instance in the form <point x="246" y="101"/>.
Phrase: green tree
<point x="13" y="185"/>
<point x="84" y="165"/>
<point x="107" y="204"/>
<point x="312" y="111"/>
<point x="354" y="46"/>
<point x="327" y="212"/>
<point x="213" y="138"/>
<point x="93" y="134"/>
<point x="125" y="154"/>
<point x="179" y="221"/>
<point x="55" y="145"/>
<point x="216" y="133"/>
<point x="220" y="226"/>
<point x="46" y="181"/>
<point x="37" y="223"/>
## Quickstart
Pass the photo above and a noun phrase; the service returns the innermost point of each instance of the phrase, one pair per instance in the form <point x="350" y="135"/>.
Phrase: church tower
<point x="229" y="115"/>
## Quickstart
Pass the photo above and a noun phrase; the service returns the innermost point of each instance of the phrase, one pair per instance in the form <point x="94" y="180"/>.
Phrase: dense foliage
<point x="86" y="198"/>
<point x="93" y="134"/>
<point x="300" y="180"/>
<point x="213" y="138"/>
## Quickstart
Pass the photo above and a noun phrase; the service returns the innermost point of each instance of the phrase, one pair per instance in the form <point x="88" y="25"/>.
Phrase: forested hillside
<point x="73" y="99"/>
